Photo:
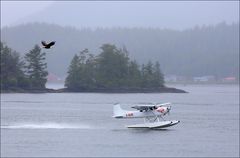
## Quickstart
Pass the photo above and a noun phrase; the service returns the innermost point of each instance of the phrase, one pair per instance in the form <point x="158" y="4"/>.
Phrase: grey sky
<point x="12" y="11"/>
<point x="173" y="14"/>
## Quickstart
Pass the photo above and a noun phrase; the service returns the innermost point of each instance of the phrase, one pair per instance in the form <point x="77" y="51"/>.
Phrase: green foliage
<point x="72" y="79"/>
<point x="81" y="71"/>
<point x="158" y="75"/>
<point x="112" y="68"/>
<point x="36" y="68"/>
<point x="134" y="75"/>
<point x="20" y="74"/>
<point x="12" y="74"/>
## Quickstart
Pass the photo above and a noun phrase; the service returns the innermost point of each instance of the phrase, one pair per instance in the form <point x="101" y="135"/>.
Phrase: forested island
<point x="111" y="71"/>
<point x="209" y="50"/>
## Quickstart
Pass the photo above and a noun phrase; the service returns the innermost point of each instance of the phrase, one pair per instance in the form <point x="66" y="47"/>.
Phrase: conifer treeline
<point x="199" y="51"/>
<point x="27" y="73"/>
<point x="112" y="68"/>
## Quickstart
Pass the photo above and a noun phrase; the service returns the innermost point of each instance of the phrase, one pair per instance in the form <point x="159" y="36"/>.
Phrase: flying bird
<point x="48" y="45"/>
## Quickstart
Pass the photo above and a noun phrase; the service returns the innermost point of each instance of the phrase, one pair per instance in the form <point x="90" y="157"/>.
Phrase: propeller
<point x="168" y="110"/>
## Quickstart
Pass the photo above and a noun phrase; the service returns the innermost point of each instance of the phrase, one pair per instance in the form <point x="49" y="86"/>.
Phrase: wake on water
<point x="48" y="125"/>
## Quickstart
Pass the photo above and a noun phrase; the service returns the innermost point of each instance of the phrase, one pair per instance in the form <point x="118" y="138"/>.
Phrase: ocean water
<point x="81" y="124"/>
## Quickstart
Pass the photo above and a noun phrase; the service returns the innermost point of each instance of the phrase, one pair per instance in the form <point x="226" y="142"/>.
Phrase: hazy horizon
<point x="196" y="51"/>
<point x="155" y="14"/>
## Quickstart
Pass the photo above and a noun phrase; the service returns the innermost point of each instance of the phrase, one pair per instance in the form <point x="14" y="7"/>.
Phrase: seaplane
<point x="152" y="115"/>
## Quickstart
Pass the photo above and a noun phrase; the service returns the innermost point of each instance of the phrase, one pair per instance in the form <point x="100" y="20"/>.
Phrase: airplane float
<point x="149" y="112"/>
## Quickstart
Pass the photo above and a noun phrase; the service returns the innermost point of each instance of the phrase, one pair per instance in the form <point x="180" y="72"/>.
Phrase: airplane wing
<point x="163" y="104"/>
<point x="149" y="107"/>
<point x="144" y="107"/>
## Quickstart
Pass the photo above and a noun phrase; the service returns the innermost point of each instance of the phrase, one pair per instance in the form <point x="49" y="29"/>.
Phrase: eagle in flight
<point x="48" y="45"/>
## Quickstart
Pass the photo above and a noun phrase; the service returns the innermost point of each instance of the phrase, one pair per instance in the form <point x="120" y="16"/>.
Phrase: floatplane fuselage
<point x="152" y="114"/>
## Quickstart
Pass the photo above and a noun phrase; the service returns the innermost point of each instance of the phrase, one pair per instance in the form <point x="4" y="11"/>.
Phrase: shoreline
<point x="99" y="90"/>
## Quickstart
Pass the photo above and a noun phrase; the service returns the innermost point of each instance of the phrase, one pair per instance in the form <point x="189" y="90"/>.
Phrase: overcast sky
<point x="12" y="11"/>
<point x="173" y="14"/>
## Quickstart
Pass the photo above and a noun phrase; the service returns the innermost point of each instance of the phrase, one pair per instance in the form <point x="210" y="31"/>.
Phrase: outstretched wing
<point x="44" y="43"/>
<point x="51" y="43"/>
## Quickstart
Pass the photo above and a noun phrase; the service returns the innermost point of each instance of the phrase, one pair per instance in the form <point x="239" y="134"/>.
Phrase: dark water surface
<point x="80" y="124"/>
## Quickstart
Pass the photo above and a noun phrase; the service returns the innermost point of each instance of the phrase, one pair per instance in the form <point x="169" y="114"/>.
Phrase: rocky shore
<point x="99" y="90"/>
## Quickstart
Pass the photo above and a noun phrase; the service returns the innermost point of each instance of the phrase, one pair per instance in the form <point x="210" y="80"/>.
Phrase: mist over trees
<point x="199" y="51"/>
<point x="111" y="69"/>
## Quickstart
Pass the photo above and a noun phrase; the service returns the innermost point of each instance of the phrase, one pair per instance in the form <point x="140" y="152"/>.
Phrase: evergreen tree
<point x="86" y="72"/>
<point x="90" y="71"/>
<point x="36" y="68"/>
<point x="143" y="76"/>
<point x="72" y="79"/>
<point x="210" y="50"/>
<point x="158" y="76"/>
<point x="81" y="73"/>
<point x="147" y="72"/>
<point x="12" y="75"/>
<point x="134" y="75"/>
<point x="152" y="76"/>
<point x="111" y="69"/>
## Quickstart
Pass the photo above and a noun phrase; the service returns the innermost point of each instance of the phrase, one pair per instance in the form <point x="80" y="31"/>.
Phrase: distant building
<point x="229" y="79"/>
<point x="53" y="78"/>
<point x="204" y="79"/>
<point x="176" y="79"/>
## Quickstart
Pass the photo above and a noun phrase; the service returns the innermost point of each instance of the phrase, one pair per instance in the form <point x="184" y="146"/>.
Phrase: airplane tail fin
<point x="118" y="112"/>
